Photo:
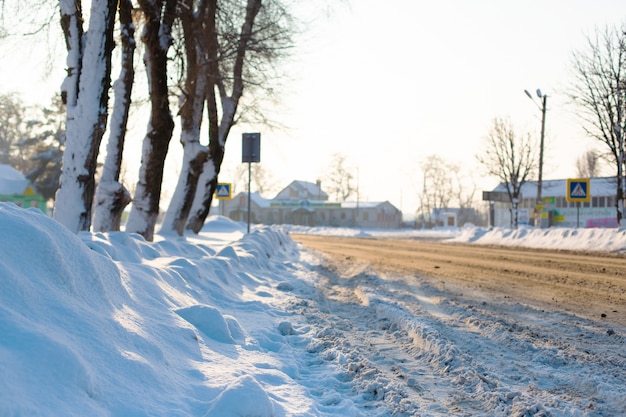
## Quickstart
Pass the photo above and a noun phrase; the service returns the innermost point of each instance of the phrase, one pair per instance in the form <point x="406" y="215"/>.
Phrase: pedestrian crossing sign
<point x="223" y="191"/>
<point x="578" y="190"/>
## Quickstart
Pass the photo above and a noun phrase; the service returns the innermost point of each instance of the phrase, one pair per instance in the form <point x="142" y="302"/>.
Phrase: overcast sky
<point x="388" y="84"/>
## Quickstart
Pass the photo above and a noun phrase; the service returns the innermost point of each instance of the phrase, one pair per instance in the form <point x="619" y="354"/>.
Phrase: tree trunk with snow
<point x="85" y="91"/>
<point x="111" y="196"/>
<point x="208" y="180"/>
<point x="196" y="28"/>
<point x="157" y="39"/>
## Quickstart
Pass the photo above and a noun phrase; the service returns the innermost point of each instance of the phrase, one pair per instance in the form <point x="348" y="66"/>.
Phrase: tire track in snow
<point x="413" y="349"/>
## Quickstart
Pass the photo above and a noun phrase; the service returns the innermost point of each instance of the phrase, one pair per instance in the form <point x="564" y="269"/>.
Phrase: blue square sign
<point x="578" y="190"/>
<point x="224" y="191"/>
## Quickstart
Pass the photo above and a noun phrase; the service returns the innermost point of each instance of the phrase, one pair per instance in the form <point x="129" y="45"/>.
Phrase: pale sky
<point x="390" y="83"/>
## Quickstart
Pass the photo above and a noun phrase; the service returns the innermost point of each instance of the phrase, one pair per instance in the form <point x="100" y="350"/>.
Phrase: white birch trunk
<point x="140" y="217"/>
<point x="73" y="198"/>
<point x="176" y="215"/>
<point x="192" y="150"/>
<point x="110" y="190"/>
<point x="210" y="170"/>
<point x="111" y="195"/>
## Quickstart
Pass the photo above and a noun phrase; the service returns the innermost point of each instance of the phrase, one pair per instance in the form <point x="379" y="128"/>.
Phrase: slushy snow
<point x="232" y="324"/>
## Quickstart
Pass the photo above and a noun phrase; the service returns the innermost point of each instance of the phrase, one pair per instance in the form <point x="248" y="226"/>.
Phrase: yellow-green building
<point x="16" y="188"/>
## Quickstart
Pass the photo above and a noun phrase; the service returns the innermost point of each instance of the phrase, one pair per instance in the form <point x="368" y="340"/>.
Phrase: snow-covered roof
<point x="605" y="186"/>
<point x="304" y="190"/>
<point x="260" y="201"/>
<point x="364" y="204"/>
<point x="12" y="181"/>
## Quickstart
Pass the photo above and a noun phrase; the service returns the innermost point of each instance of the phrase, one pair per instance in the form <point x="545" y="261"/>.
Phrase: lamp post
<point x="544" y="99"/>
<point x="620" y="168"/>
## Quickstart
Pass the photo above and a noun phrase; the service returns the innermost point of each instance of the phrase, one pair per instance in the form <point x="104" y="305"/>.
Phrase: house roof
<point x="365" y="204"/>
<point x="304" y="188"/>
<point x="255" y="198"/>
<point x="12" y="181"/>
<point x="602" y="186"/>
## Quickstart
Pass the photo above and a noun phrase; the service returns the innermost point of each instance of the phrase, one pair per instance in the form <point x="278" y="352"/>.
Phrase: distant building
<point x="450" y="217"/>
<point x="16" y="188"/>
<point x="305" y="203"/>
<point x="600" y="211"/>
<point x="302" y="190"/>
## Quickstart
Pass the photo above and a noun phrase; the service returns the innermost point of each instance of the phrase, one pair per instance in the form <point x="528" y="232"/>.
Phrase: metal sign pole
<point x="250" y="152"/>
<point x="249" y="176"/>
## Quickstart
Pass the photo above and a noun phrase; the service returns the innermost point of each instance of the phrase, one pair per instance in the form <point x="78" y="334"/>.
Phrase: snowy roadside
<point x="601" y="240"/>
<point x="227" y="325"/>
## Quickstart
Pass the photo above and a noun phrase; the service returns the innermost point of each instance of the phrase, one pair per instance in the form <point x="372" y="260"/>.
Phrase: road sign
<point x="578" y="190"/>
<point x="224" y="191"/>
<point x="251" y="147"/>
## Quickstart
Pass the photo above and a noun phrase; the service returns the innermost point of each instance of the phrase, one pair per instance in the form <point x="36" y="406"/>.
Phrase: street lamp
<point x="544" y="99"/>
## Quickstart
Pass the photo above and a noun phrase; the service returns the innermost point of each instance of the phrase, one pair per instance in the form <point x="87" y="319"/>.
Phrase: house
<point x="16" y="188"/>
<point x="305" y="203"/>
<point x="302" y="190"/>
<point x="555" y="210"/>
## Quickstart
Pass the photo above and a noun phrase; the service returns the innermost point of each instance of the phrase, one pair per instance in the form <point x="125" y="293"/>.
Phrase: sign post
<point x="578" y="191"/>
<point x="250" y="152"/>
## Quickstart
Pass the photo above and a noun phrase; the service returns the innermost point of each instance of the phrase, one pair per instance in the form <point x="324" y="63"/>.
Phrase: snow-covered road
<point x="407" y="348"/>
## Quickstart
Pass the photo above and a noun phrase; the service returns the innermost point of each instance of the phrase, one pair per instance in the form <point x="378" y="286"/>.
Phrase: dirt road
<point x="588" y="285"/>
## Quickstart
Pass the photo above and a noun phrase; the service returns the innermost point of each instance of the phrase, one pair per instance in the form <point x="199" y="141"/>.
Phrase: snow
<point x="232" y="324"/>
<point x="12" y="181"/>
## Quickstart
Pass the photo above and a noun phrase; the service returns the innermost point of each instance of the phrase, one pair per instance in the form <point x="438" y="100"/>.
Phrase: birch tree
<point x="438" y="187"/>
<point x="111" y="196"/>
<point x="219" y="128"/>
<point x="588" y="164"/>
<point x="85" y="92"/>
<point x="42" y="148"/>
<point x="12" y="126"/>
<point x="198" y="31"/>
<point x="510" y="157"/>
<point x="240" y="54"/>
<point x="599" y="93"/>
<point x="261" y="179"/>
<point x="340" y="178"/>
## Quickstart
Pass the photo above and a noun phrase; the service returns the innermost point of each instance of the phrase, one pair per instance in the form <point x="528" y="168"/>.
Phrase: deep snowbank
<point x="109" y="324"/>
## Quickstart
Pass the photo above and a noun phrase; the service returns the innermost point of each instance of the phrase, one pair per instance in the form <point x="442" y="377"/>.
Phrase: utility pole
<point x="543" y="132"/>
<point x="543" y="108"/>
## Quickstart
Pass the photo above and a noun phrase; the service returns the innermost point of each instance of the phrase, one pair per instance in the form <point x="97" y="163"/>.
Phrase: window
<point x="610" y="201"/>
